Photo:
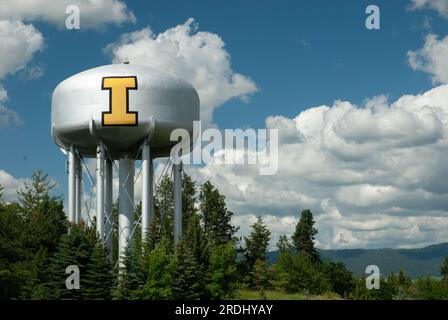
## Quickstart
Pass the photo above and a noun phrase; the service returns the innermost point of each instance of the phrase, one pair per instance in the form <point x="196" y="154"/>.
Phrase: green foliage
<point x="257" y="243"/>
<point x="154" y="234"/>
<point x="161" y="266"/>
<point x="341" y="279"/>
<point x="189" y="199"/>
<point x="430" y="289"/>
<point x="304" y="235"/>
<point x="215" y="216"/>
<point x="298" y="273"/>
<point x="11" y="227"/>
<point x="400" y="283"/>
<point x="444" y="271"/>
<point x="73" y="249"/>
<point x="1" y="195"/>
<point x="99" y="279"/>
<point x="29" y="234"/>
<point x="187" y="279"/>
<point x="44" y="221"/>
<point x="262" y="275"/>
<point x="130" y="276"/>
<point x="195" y="239"/>
<point x="385" y="292"/>
<point x="164" y="206"/>
<point x="35" y="250"/>
<point x="283" y="244"/>
<point x="222" y="276"/>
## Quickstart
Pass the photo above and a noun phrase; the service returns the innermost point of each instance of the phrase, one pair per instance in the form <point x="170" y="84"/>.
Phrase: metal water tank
<point x="121" y="112"/>
<point x="152" y="98"/>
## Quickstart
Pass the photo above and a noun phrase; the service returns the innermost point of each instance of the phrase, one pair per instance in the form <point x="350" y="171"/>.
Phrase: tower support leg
<point x="100" y="191"/>
<point x="71" y="185"/>
<point x="126" y="204"/>
<point x="78" y="187"/>
<point x="147" y="190"/>
<point x="177" y="168"/>
<point x="108" y="202"/>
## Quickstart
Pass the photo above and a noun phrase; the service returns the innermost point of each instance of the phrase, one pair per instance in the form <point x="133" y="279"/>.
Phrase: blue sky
<point x="300" y="54"/>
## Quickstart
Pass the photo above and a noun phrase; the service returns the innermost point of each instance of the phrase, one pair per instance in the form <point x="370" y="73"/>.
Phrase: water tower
<point x="118" y="114"/>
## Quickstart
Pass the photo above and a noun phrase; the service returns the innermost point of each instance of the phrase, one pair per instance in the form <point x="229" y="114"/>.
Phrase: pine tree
<point x="222" y="275"/>
<point x="341" y="279"/>
<point x="130" y="276"/>
<point x="187" y="276"/>
<point x="30" y="232"/>
<point x="215" y="216"/>
<point x="99" y="279"/>
<point x="160" y="268"/>
<point x="444" y="271"/>
<point x="261" y="275"/>
<point x="153" y="235"/>
<point x="189" y="199"/>
<point x="1" y="196"/>
<point x="304" y="235"/>
<point x="43" y="215"/>
<point x="73" y="249"/>
<point x="196" y="241"/>
<point x="283" y="244"/>
<point x="256" y="244"/>
<point x="31" y="197"/>
<point x="36" y="286"/>
<point x="164" y="205"/>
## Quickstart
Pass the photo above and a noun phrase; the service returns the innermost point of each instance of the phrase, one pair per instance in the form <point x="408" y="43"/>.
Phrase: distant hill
<point x="417" y="262"/>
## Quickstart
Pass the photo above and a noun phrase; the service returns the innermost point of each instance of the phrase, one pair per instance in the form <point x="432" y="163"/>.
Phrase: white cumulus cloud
<point x="432" y="58"/>
<point x="198" y="57"/>
<point x="11" y="185"/>
<point x="19" y="43"/>
<point x="93" y="13"/>
<point x="441" y="6"/>
<point x="374" y="175"/>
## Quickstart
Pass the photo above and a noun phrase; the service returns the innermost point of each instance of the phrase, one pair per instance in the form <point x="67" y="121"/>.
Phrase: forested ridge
<point x="210" y="262"/>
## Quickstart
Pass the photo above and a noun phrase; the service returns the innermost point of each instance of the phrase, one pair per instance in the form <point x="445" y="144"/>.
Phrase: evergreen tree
<point x="99" y="279"/>
<point x="161" y="267"/>
<point x="283" y="244"/>
<point x="115" y="244"/>
<point x="196" y="241"/>
<point x="304" y="235"/>
<point x="31" y="197"/>
<point x="153" y="235"/>
<point x="222" y="275"/>
<point x="189" y="199"/>
<point x="256" y="244"/>
<point x="73" y="249"/>
<point x="215" y="216"/>
<point x="430" y="289"/>
<point x="444" y="271"/>
<point x="12" y="253"/>
<point x="36" y="286"/>
<point x="261" y="276"/>
<point x="187" y="276"/>
<point x="164" y="205"/>
<point x="297" y="273"/>
<point x="1" y="196"/>
<point x="43" y="215"/>
<point x="341" y="279"/>
<point x="130" y="276"/>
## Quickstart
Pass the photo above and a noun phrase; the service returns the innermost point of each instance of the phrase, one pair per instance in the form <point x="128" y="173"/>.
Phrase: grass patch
<point x="280" y="295"/>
